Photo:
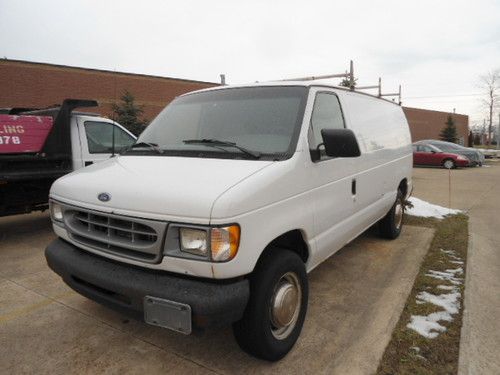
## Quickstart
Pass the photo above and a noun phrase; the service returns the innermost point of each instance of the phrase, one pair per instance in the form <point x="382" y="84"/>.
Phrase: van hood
<point x="163" y="187"/>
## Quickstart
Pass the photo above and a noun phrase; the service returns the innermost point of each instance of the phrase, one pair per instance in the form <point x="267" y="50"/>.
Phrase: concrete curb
<point x="463" y="359"/>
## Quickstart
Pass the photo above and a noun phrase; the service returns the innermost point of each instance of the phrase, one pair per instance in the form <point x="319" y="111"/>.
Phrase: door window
<point x="100" y="137"/>
<point x="327" y="114"/>
<point x="423" y="148"/>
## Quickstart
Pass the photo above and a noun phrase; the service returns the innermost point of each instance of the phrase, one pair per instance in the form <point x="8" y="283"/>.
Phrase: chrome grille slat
<point x="135" y="238"/>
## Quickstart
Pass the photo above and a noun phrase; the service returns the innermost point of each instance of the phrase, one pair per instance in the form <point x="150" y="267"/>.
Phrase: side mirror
<point x="340" y="143"/>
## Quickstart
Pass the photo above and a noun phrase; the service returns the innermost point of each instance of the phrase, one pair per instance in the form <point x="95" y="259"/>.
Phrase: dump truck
<point x="37" y="146"/>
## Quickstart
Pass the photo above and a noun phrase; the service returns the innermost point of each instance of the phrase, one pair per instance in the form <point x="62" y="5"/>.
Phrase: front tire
<point x="275" y="313"/>
<point x="391" y="224"/>
<point x="449" y="164"/>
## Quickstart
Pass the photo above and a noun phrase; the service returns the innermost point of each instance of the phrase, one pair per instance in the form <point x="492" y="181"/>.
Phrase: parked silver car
<point x="476" y="157"/>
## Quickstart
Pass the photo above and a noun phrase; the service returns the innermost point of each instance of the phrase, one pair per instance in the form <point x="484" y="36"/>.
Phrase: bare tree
<point x="490" y="83"/>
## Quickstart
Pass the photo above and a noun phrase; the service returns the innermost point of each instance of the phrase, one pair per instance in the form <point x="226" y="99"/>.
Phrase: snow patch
<point x="428" y="326"/>
<point x="451" y="254"/>
<point x="425" y="209"/>
<point x="448" y="301"/>
<point x="446" y="275"/>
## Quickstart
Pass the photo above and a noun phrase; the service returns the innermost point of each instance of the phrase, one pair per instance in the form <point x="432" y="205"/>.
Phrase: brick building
<point x="37" y="85"/>
<point x="427" y="124"/>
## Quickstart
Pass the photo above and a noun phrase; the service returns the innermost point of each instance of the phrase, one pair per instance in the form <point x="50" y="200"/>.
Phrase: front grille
<point x="133" y="238"/>
<point x="117" y="228"/>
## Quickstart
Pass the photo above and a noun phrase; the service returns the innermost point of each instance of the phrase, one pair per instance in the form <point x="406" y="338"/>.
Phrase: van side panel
<point x="386" y="155"/>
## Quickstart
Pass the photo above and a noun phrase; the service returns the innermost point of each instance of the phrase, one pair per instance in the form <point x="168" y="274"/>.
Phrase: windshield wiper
<point x="152" y="146"/>
<point x="216" y="142"/>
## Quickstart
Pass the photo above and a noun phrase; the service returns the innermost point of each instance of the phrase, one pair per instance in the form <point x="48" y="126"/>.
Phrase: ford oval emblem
<point x="104" y="197"/>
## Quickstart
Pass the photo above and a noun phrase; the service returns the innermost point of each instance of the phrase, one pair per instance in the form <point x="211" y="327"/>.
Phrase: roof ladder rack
<point x="349" y="75"/>
<point x="380" y="94"/>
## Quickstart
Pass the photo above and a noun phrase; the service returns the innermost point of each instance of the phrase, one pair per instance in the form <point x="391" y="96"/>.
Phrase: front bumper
<point x="463" y="163"/>
<point x="123" y="287"/>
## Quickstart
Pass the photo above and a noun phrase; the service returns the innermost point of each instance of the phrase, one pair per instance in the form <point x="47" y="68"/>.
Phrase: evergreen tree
<point x="449" y="132"/>
<point x="346" y="82"/>
<point x="129" y="114"/>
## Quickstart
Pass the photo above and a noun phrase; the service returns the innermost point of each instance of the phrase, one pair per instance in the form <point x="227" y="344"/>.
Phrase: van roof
<point x="308" y="83"/>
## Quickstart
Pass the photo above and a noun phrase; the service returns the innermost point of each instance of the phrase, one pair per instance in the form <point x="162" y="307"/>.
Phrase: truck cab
<point x="92" y="139"/>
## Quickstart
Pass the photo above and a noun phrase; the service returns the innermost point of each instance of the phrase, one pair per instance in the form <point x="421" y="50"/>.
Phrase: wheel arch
<point x="403" y="187"/>
<point x="293" y="240"/>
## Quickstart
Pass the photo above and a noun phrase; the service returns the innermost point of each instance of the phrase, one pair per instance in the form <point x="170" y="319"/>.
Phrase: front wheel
<point x="275" y="313"/>
<point x="449" y="164"/>
<point x="390" y="225"/>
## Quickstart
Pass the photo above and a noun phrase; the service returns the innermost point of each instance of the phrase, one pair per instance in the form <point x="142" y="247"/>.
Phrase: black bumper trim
<point x="123" y="287"/>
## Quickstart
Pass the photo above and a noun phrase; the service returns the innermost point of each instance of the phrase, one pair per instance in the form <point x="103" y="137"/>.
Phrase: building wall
<point x="426" y="124"/>
<point x="36" y="85"/>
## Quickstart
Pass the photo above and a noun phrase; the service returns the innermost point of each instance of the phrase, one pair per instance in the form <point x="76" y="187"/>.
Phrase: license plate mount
<point x="168" y="314"/>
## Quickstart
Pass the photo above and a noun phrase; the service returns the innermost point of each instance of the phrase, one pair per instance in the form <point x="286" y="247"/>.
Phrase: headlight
<point x="56" y="212"/>
<point x="217" y="244"/>
<point x="460" y="157"/>
<point x="224" y="243"/>
<point x="194" y="241"/>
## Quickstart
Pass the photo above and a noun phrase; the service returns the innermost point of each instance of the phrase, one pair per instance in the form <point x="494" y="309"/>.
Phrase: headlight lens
<point x="194" y="241"/>
<point x="224" y="243"/>
<point x="460" y="157"/>
<point x="56" y="212"/>
<point x="216" y="244"/>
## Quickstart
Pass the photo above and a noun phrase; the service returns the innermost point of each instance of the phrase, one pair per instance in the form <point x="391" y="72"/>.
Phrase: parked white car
<point x="226" y="202"/>
<point x="489" y="153"/>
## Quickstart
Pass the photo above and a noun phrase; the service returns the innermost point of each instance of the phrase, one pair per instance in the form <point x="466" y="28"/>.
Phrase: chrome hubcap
<point x="285" y="305"/>
<point x="398" y="214"/>
<point x="448" y="164"/>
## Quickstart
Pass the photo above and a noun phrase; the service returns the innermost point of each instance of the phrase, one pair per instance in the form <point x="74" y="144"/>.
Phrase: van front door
<point x="335" y="183"/>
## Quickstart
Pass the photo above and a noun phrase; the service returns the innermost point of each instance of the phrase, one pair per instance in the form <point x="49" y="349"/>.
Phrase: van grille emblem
<point x="104" y="197"/>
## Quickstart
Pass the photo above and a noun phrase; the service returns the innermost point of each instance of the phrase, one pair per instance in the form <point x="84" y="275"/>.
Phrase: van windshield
<point x="250" y="122"/>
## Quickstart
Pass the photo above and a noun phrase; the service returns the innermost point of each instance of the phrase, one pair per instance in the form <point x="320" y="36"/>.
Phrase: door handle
<point x="353" y="186"/>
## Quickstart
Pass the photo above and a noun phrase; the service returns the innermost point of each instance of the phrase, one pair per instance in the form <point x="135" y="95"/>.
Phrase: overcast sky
<point x="435" y="49"/>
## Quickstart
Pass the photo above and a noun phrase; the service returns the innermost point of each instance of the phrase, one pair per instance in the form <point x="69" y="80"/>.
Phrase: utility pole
<point x="491" y="117"/>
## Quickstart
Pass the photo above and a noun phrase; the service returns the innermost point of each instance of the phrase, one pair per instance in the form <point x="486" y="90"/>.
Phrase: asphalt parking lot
<point x="355" y="301"/>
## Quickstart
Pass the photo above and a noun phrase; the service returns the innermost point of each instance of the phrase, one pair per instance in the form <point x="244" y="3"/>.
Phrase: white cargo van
<point x="226" y="202"/>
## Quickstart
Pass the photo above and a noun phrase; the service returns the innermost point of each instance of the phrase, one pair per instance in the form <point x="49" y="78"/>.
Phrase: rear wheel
<point x="275" y="313"/>
<point x="449" y="164"/>
<point x="390" y="225"/>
